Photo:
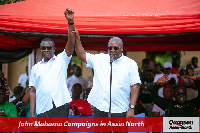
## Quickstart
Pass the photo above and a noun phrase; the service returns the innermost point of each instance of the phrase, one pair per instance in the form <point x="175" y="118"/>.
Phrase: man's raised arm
<point x="69" y="48"/>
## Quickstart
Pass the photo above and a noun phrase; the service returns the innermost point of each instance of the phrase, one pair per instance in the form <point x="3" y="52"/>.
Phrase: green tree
<point x="3" y="2"/>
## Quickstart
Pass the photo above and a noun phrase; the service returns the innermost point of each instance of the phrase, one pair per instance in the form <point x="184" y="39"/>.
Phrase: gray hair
<point x="119" y="40"/>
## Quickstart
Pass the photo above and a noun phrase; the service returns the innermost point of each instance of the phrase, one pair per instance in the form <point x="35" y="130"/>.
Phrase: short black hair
<point x="48" y="39"/>
<point x="18" y="90"/>
<point x="194" y="58"/>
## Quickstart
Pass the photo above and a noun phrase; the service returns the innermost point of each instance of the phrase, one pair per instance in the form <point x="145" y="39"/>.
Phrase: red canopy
<point x="148" y="25"/>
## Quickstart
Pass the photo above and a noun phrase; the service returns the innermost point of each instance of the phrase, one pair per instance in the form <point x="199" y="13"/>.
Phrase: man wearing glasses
<point x="49" y="93"/>
<point x="125" y="79"/>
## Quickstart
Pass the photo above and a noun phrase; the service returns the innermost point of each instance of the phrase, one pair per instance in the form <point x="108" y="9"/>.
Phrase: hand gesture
<point x="69" y="14"/>
<point x="162" y="79"/>
<point x="191" y="75"/>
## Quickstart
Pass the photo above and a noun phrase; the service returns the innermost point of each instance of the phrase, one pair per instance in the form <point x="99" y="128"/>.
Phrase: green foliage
<point x="3" y="2"/>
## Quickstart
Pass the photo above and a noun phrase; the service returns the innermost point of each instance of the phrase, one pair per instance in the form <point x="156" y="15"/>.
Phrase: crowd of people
<point x="117" y="87"/>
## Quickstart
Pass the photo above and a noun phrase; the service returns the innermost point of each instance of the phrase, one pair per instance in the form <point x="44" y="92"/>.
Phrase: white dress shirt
<point x="73" y="80"/>
<point x="124" y="75"/>
<point x="160" y="91"/>
<point x="49" y="80"/>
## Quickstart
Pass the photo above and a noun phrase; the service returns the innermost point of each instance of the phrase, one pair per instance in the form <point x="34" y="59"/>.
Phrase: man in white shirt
<point x="49" y="92"/>
<point x="167" y="66"/>
<point x="76" y="78"/>
<point x="23" y="78"/>
<point x="125" y="80"/>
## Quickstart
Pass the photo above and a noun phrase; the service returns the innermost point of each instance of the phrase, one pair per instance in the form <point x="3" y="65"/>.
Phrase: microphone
<point x="111" y="58"/>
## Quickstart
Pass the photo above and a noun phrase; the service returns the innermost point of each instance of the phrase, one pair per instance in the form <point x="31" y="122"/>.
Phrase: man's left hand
<point x="130" y="112"/>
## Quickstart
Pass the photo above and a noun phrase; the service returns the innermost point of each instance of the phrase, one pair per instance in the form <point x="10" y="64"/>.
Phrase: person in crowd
<point x="26" y="101"/>
<point x="158" y="69"/>
<point x="76" y="78"/>
<point x="125" y="80"/>
<point x="196" y="67"/>
<point x="49" y="93"/>
<point x="4" y="84"/>
<point x="146" y="86"/>
<point x="189" y="84"/>
<point x="23" y="78"/>
<point x="176" y="66"/>
<point x="7" y="109"/>
<point x="180" y="107"/>
<point x="145" y="65"/>
<point x="168" y="93"/>
<point x="167" y="66"/>
<point x="79" y="106"/>
<point x="90" y="85"/>
<point x="19" y="93"/>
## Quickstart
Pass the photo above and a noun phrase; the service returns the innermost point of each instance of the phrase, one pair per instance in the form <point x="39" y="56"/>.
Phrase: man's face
<point x="47" y="49"/>
<point x="194" y="63"/>
<point x="77" y="71"/>
<point x="2" y="96"/>
<point x="167" y="70"/>
<point x="115" y="48"/>
<point x="180" y="95"/>
<point x="157" y="69"/>
<point x="76" y="90"/>
<point x="148" y="76"/>
<point x="167" y="92"/>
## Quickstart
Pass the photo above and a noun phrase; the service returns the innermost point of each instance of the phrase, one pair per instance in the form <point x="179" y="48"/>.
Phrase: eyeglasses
<point x="115" y="48"/>
<point x="178" y="94"/>
<point x="48" y="48"/>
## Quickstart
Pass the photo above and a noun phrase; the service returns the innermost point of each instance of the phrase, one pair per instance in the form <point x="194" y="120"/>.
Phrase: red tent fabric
<point x="148" y="25"/>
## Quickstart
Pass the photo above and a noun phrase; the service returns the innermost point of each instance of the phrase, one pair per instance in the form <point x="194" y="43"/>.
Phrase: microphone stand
<point x="109" y="113"/>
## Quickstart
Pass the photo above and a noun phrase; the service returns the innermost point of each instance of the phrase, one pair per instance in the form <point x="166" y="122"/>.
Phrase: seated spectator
<point x="168" y="94"/>
<point x="158" y="69"/>
<point x="172" y="77"/>
<point x="7" y="109"/>
<point x="196" y="67"/>
<point x="4" y="83"/>
<point x="76" y="78"/>
<point x="189" y="84"/>
<point x="26" y="101"/>
<point x="19" y="92"/>
<point x="79" y="106"/>
<point x="23" y="78"/>
<point x="180" y="107"/>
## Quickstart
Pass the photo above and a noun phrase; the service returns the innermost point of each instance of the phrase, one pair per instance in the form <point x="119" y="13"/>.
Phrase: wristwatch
<point x="132" y="106"/>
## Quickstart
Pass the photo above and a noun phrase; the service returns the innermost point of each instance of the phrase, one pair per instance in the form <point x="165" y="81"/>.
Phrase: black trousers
<point x="62" y="111"/>
<point x="98" y="113"/>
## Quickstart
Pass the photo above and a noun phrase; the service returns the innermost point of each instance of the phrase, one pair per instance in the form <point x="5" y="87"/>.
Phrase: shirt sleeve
<point x="134" y="74"/>
<point x="89" y="60"/>
<point x="64" y="58"/>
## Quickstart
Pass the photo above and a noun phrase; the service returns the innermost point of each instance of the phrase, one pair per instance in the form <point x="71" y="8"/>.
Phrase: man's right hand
<point x="69" y="14"/>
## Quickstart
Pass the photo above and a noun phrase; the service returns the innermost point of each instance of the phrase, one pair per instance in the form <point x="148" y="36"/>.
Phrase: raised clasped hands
<point x="69" y="14"/>
<point x="162" y="79"/>
<point x="191" y="75"/>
